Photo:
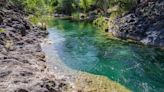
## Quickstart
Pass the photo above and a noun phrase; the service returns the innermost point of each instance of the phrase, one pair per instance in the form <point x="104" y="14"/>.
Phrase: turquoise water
<point x="84" y="48"/>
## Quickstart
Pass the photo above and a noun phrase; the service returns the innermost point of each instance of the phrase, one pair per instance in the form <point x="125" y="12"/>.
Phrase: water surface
<point x="82" y="47"/>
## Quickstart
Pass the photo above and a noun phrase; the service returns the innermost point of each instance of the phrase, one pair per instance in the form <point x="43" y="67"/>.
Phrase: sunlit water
<point x="82" y="47"/>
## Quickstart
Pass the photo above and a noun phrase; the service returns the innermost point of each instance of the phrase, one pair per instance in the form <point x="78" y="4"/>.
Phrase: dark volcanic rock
<point x="21" y="90"/>
<point x="1" y="19"/>
<point x="144" y="24"/>
<point x="21" y="28"/>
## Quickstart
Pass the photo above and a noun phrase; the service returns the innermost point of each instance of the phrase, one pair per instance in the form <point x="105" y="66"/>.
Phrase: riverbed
<point x="82" y="52"/>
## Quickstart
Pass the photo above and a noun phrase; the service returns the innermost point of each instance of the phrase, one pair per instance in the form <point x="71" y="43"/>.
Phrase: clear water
<point x="84" y="48"/>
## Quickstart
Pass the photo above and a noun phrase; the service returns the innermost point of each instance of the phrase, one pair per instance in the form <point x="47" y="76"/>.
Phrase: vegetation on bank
<point x="35" y="7"/>
<point x="98" y="11"/>
<point x="38" y="11"/>
<point x="104" y="7"/>
<point x="2" y="30"/>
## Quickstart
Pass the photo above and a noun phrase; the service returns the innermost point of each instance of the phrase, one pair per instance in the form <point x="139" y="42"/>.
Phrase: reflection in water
<point x="85" y="48"/>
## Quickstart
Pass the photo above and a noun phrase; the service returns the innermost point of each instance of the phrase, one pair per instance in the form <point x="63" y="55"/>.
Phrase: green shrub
<point x="119" y="7"/>
<point x="76" y="15"/>
<point x="37" y="7"/>
<point x="37" y="20"/>
<point x="101" y="23"/>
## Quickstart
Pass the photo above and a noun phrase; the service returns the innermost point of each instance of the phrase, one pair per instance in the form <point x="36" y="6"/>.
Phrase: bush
<point x="41" y="19"/>
<point x="76" y="15"/>
<point x="119" y="7"/>
<point x="101" y="23"/>
<point x="37" y="7"/>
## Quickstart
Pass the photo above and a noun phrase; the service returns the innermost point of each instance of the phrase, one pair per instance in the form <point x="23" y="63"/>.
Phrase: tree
<point x="64" y="7"/>
<point x="103" y="4"/>
<point x="85" y="4"/>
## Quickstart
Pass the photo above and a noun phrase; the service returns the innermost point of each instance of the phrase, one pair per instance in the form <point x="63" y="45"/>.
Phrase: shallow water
<point x="82" y="47"/>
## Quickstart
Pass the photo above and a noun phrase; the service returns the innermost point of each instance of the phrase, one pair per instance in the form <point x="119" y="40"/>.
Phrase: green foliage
<point x="64" y="6"/>
<point x="115" y="7"/>
<point x="76" y="15"/>
<point x="119" y="7"/>
<point x="101" y="23"/>
<point x="37" y="7"/>
<point x="40" y="7"/>
<point x="39" y="19"/>
<point x="33" y="19"/>
<point x="103" y="4"/>
<point x="2" y="30"/>
<point x="85" y="4"/>
<point x="125" y="5"/>
<point x="70" y="6"/>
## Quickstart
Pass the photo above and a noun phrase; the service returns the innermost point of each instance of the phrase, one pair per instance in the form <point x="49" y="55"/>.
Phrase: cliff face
<point x="145" y="23"/>
<point x="22" y="63"/>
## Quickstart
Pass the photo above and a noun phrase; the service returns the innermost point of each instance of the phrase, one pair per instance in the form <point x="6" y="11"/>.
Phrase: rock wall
<point x="22" y="62"/>
<point x="144" y="24"/>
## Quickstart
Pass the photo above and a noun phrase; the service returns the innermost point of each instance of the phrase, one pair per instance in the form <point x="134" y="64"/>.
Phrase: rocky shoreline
<point x="22" y="62"/>
<point x="144" y="24"/>
<point x="24" y="66"/>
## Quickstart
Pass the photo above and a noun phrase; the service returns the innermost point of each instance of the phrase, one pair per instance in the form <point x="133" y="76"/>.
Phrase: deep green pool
<point x="84" y="48"/>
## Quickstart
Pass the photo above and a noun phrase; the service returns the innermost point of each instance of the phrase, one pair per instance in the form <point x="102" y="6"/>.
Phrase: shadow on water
<point x="87" y="49"/>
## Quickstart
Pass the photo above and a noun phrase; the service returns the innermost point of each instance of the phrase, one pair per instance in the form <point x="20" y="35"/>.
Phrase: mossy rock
<point x="83" y="16"/>
<point x="2" y="30"/>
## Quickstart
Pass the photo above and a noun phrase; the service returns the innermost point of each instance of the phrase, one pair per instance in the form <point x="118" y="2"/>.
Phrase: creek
<point x="82" y="47"/>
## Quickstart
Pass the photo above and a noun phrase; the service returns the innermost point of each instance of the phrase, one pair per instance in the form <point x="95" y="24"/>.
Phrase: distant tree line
<point x="70" y="6"/>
